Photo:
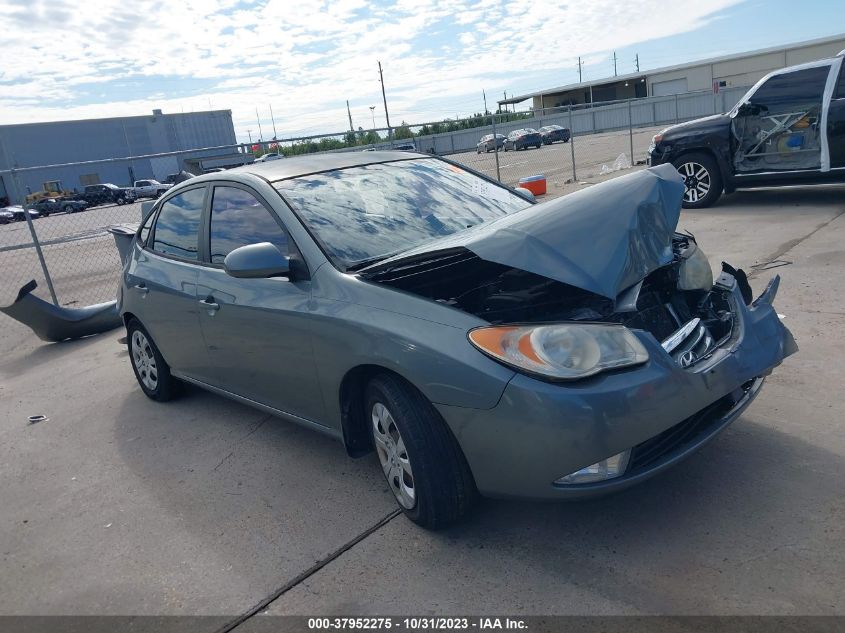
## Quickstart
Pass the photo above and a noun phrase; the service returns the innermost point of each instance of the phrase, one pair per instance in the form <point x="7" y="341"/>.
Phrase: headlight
<point x="694" y="272"/>
<point x="605" y="469"/>
<point x="565" y="351"/>
<point x="656" y="139"/>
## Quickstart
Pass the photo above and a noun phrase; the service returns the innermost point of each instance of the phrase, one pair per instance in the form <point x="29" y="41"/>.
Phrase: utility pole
<point x="349" y="112"/>
<point x="373" y="113"/>
<point x="579" y="69"/>
<point x="250" y="137"/>
<point x="637" y="61"/>
<point x="614" y="63"/>
<point x="386" y="115"/>
<point x="258" y="118"/>
<point x="274" y="122"/>
<point x="495" y="138"/>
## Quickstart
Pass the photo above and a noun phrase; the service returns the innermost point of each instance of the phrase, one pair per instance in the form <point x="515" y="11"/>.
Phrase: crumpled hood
<point x="603" y="239"/>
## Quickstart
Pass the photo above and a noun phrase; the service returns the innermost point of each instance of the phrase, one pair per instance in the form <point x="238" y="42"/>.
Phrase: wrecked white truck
<point x="789" y="129"/>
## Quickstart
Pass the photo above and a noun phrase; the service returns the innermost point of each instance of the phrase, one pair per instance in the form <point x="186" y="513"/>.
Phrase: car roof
<point x="315" y="163"/>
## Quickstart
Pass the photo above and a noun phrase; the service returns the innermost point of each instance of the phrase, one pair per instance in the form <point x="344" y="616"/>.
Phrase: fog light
<point x="605" y="469"/>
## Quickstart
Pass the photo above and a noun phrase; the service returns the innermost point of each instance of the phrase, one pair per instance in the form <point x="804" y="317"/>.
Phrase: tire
<point x="68" y="209"/>
<point x="119" y="201"/>
<point x="702" y="179"/>
<point x="421" y="460"/>
<point x="145" y="359"/>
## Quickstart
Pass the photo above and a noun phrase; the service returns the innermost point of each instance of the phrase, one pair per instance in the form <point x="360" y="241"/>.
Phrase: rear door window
<point x="176" y="230"/>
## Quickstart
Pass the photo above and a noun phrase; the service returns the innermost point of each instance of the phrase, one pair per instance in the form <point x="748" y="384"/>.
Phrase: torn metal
<point x="54" y="323"/>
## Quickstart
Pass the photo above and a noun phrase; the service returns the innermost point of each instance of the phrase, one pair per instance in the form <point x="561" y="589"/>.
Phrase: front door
<point x="257" y="330"/>
<point x="778" y="128"/>
<point x="836" y="123"/>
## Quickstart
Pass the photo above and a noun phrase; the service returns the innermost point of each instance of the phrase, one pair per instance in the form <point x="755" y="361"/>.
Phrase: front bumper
<point x="540" y="431"/>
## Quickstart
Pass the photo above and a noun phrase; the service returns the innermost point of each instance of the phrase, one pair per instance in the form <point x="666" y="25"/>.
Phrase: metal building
<point x="732" y="74"/>
<point x="55" y="143"/>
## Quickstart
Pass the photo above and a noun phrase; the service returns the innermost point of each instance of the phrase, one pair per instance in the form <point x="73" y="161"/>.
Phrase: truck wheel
<point x="424" y="467"/>
<point x="702" y="180"/>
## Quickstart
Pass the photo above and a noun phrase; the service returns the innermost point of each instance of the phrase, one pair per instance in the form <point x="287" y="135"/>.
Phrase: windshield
<point x="362" y="214"/>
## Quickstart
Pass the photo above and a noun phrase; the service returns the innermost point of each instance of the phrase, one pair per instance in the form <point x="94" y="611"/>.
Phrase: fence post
<point x="631" y="132"/>
<point x="496" y="147"/>
<point x="572" y="144"/>
<point x="35" y="238"/>
<point x="676" y="108"/>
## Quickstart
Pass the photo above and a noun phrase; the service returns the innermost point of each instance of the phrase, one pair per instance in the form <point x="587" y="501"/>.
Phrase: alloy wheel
<point x="393" y="456"/>
<point x="697" y="181"/>
<point x="144" y="360"/>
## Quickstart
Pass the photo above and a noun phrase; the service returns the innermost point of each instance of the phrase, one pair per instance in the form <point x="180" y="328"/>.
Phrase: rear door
<point x="162" y="282"/>
<point x="836" y="122"/>
<point x="257" y="330"/>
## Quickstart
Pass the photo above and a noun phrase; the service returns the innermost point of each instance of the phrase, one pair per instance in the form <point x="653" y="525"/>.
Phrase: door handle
<point x="142" y="288"/>
<point x="209" y="304"/>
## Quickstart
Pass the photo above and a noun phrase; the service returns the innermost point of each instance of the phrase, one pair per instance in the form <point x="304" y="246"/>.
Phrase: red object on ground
<point x="534" y="184"/>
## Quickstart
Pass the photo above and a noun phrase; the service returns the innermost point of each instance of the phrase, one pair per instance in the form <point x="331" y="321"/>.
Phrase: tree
<point x="402" y="132"/>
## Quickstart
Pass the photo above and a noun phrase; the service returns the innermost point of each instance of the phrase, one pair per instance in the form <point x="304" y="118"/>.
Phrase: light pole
<point x="373" y="113"/>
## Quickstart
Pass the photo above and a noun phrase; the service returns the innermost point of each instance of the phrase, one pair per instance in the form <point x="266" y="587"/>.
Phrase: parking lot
<point x="119" y="505"/>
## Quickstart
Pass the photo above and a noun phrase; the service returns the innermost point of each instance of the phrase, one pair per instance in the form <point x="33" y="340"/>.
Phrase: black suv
<point x="789" y="129"/>
<point x="106" y="193"/>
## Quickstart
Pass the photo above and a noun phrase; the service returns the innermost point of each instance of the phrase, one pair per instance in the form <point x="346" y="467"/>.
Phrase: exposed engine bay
<point x="678" y="303"/>
<point x="768" y="140"/>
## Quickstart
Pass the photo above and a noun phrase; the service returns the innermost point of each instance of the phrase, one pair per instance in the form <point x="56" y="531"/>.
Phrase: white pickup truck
<point x="150" y="188"/>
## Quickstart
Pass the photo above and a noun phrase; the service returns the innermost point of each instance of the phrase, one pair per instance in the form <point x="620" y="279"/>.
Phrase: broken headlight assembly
<point x="694" y="272"/>
<point x="563" y="351"/>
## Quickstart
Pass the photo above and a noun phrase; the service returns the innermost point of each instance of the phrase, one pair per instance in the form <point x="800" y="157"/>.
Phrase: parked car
<point x="488" y="143"/>
<point x="150" y="188"/>
<point x="405" y="147"/>
<point x="523" y="139"/>
<point x="19" y="214"/>
<point x="106" y="193"/>
<point x="389" y="300"/>
<point x="6" y="216"/>
<point x="46" y="206"/>
<point x="787" y="130"/>
<point x="553" y="133"/>
<point x="269" y="156"/>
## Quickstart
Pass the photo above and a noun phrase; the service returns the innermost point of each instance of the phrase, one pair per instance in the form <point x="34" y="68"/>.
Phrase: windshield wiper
<point x="364" y="263"/>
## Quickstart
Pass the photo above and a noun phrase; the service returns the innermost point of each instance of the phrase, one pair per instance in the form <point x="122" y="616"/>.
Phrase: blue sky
<point x="64" y="59"/>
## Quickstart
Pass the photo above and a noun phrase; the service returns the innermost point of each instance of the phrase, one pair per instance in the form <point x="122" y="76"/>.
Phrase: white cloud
<point x="306" y="58"/>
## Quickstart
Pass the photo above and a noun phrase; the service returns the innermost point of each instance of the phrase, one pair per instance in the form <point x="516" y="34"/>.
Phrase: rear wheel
<point x="702" y="180"/>
<point x="421" y="460"/>
<point x="149" y="366"/>
<point x="68" y="209"/>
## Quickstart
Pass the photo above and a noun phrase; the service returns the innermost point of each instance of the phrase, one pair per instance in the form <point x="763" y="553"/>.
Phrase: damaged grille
<point x="686" y="432"/>
<point x="690" y="343"/>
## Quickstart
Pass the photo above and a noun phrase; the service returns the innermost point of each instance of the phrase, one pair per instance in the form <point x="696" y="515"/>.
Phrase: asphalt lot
<point x="119" y="505"/>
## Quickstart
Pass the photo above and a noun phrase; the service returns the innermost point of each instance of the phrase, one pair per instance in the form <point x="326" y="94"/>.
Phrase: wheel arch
<point x="356" y="433"/>
<point x="724" y="172"/>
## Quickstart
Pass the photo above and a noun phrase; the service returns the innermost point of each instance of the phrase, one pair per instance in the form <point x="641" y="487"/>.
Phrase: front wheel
<point x="421" y="460"/>
<point x="702" y="180"/>
<point x="119" y="201"/>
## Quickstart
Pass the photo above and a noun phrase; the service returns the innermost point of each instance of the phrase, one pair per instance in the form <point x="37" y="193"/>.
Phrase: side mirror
<point x="257" y="261"/>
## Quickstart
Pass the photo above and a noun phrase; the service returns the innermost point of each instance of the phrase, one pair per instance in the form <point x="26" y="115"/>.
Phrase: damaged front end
<point x="679" y="303"/>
